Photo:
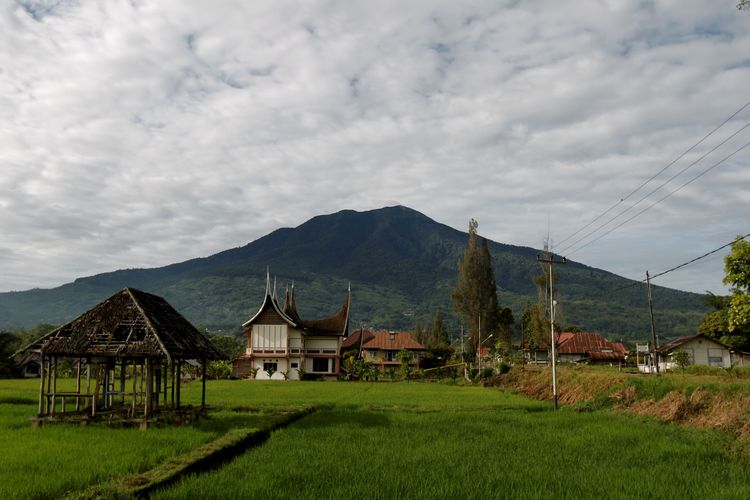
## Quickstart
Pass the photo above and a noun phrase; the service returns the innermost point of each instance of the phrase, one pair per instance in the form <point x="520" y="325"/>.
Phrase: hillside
<point x="401" y="265"/>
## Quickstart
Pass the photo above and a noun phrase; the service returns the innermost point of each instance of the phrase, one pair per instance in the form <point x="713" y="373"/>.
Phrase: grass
<point x="357" y="453"/>
<point x="380" y="440"/>
<point x="55" y="460"/>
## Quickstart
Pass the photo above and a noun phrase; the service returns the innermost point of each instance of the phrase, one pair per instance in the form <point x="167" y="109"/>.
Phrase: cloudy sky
<point x="143" y="133"/>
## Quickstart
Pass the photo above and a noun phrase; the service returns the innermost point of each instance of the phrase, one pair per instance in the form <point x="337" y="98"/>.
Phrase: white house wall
<point x="282" y="365"/>
<point x="269" y="338"/>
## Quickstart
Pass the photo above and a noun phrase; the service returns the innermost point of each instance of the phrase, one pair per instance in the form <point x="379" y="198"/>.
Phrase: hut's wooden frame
<point x="132" y="335"/>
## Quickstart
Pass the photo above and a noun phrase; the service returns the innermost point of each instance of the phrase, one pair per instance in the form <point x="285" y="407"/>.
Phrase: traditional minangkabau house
<point x="281" y="345"/>
<point x="132" y="347"/>
<point x="382" y="348"/>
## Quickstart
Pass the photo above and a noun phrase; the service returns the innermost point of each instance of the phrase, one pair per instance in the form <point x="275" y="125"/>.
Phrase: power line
<point x="663" y="198"/>
<point x="658" y="173"/>
<point x="707" y="254"/>
<point x="698" y="258"/>
<point x="571" y="245"/>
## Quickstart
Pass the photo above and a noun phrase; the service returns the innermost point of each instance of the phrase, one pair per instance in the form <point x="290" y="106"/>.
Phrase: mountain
<point x="401" y="266"/>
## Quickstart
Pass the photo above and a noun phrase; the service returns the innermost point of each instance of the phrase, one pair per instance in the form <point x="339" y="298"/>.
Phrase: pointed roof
<point x="270" y="302"/>
<point x="338" y="324"/>
<point x="131" y="323"/>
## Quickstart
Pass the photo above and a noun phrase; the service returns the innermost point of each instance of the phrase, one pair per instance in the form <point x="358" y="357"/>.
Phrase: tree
<point x="744" y="5"/>
<point x="681" y="359"/>
<point x="420" y="334"/>
<point x="8" y="345"/>
<point x="475" y="295"/>
<point x="737" y="268"/>
<point x="228" y="345"/>
<point x="439" y="335"/>
<point x="219" y="369"/>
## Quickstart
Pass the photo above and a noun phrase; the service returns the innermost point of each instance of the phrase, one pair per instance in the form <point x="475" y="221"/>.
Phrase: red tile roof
<point x="382" y="340"/>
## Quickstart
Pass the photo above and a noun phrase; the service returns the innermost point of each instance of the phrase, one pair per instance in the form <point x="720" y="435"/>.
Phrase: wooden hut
<point x="132" y="347"/>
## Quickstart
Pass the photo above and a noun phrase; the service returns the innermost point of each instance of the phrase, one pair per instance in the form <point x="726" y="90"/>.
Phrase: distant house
<point x="281" y="343"/>
<point x="381" y="348"/>
<point x="701" y="350"/>
<point x="588" y="348"/>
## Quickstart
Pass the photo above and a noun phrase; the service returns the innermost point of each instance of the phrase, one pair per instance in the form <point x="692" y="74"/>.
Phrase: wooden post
<point x="203" y="389"/>
<point x="41" y="386"/>
<point x="177" y="381"/>
<point x="54" y="384"/>
<point x="78" y="386"/>
<point x="135" y="389"/>
<point x="88" y="382"/>
<point x="123" y="367"/>
<point x="173" y="371"/>
<point x="147" y="404"/>
<point x="165" y="374"/>
<point x="48" y="392"/>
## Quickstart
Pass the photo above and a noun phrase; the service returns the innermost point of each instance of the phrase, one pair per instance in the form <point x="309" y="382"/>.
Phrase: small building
<point x="588" y="348"/>
<point x="382" y="348"/>
<point x="701" y="350"/>
<point x="132" y="347"/>
<point x="280" y="345"/>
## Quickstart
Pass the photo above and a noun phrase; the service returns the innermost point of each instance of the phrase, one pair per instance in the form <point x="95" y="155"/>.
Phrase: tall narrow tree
<point x="475" y="295"/>
<point x="439" y="336"/>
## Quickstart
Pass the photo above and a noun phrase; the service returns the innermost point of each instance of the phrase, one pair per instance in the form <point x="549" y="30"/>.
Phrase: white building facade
<point x="282" y="346"/>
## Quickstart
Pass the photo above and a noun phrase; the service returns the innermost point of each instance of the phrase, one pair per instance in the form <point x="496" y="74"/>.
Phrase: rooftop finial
<point x="268" y="280"/>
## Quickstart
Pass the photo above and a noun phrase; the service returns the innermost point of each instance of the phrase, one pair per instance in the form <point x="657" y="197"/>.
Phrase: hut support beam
<point x="54" y="384"/>
<point x="147" y="398"/>
<point x="203" y="387"/>
<point x="41" y="387"/>
<point x="177" y="381"/>
<point x="78" y="385"/>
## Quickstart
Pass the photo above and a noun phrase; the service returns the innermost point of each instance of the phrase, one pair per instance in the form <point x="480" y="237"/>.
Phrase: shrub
<point x="254" y="372"/>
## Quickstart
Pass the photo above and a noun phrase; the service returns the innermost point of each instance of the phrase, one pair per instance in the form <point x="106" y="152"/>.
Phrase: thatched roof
<point x="130" y="323"/>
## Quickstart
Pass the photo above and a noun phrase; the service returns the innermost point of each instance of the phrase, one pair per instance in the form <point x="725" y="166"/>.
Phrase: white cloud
<point x="140" y="134"/>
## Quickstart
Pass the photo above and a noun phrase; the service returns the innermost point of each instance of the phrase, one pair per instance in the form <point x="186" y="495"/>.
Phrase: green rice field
<point x="383" y="440"/>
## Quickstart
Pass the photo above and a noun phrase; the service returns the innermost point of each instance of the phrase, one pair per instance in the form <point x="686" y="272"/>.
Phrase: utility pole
<point x="552" y="303"/>
<point x="654" y="355"/>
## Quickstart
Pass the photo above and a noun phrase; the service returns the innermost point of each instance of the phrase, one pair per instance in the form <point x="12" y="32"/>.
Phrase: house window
<point x="294" y="365"/>
<point x="715" y="357"/>
<point x="391" y="355"/>
<point x="270" y="365"/>
<point x="320" y="365"/>
<point x="392" y="336"/>
<point x="373" y="354"/>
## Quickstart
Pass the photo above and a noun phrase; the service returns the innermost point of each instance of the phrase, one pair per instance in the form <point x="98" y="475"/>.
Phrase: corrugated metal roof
<point x="590" y="344"/>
